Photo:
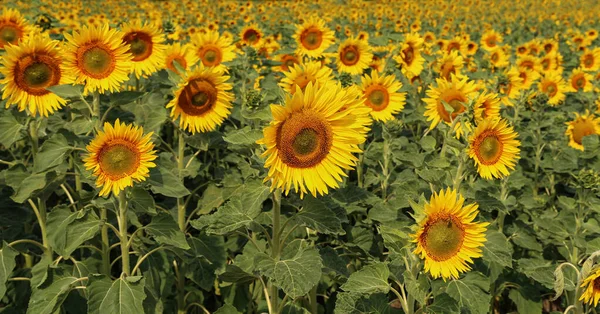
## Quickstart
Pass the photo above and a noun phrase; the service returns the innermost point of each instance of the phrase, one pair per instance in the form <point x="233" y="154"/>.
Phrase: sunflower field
<point x="323" y="156"/>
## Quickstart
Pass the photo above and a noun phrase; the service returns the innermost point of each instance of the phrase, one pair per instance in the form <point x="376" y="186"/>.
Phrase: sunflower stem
<point x="40" y="213"/>
<point x="459" y="173"/>
<point x="96" y="108"/>
<point x="105" y="242"/>
<point x="123" y="231"/>
<point x="386" y="163"/>
<point x="359" y="167"/>
<point x="33" y="132"/>
<point x="180" y="167"/>
<point x="275" y="250"/>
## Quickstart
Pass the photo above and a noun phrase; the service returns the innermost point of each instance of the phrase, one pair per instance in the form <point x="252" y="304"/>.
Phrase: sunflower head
<point x="380" y="93"/>
<point x="449" y="64"/>
<point x="583" y="125"/>
<point x="184" y="56"/>
<point x="313" y="37"/>
<point x="494" y="147"/>
<point x="580" y="81"/>
<point x="448" y="238"/>
<point x="410" y="56"/>
<point x="300" y="75"/>
<point x="202" y="100"/>
<point x="491" y="40"/>
<point x="354" y="56"/>
<point x="553" y="85"/>
<point x="486" y="105"/>
<point x="251" y="35"/>
<point x="591" y="285"/>
<point x="146" y="45"/>
<point x="212" y="48"/>
<point x="120" y="155"/>
<point x="13" y="27"/>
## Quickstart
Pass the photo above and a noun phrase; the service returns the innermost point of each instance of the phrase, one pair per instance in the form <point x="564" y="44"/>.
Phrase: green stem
<point x="314" y="306"/>
<point x="359" y="167"/>
<point x="33" y="132"/>
<point x="40" y="212"/>
<point x="459" y="173"/>
<point x="386" y="164"/>
<point x="275" y="250"/>
<point x="105" y="242"/>
<point x="96" y="108"/>
<point x="180" y="289"/>
<point x="180" y="167"/>
<point x="123" y="232"/>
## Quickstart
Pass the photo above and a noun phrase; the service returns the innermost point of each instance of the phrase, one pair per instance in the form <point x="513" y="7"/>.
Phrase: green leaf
<point x="7" y="264"/>
<point x="524" y="303"/>
<point x="470" y="292"/>
<point x="235" y="274"/>
<point x="539" y="270"/>
<point x="49" y="297"/>
<point x="29" y="186"/>
<point x="52" y="153"/>
<point x="163" y="181"/>
<point x="150" y="111"/>
<point x="317" y="216"/>
<point x="428" y="143"/>
<point x="497" y="249"/>
<point x="141" y="201"/>
<point x="210" y="247"/>
<point x="372" y="278"/>
<point x="227" y="309"/>
<point x="68" y="230"/>
<point x="122" y="296"/>
<point x="10" y="129"/>
<point x="333" y="262"/>
<point x="417" y="288"/>
<point x="39" y="272"/>
<point x="296" y="274"/>
<point x="443" y="304"/>
<point x="245" y="136"/>
<point x="166" y="231"/>
<point x="67" y="90"/>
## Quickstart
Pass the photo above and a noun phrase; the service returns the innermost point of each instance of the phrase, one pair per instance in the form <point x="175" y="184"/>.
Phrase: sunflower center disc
<point x="409" y="55"/>
<point x="495" y="57"/>
<point x="588" y="60"/>
<point x="581" y="130"/>
<point x="138" y="46"/>
<point x="306" y="142"/>
<point x="377" y="99"/>
<point x="580" y="82"/>
<point x="597" y="284"/>
<point x="210" y="56"/>
<point x="97" y="60"/>
<point x="490" y="148"/>
<point x="251" y="36"/>
<point x="350" y="56"/>
<point x="118" y="160"/>
<point x="37" y="74"/>
<point x="8" y="34"/>
<point x="311" y="38"/>
<point x="551" y="89"/>
<point x="443" y="239"/>
<point x="200" y="99"/>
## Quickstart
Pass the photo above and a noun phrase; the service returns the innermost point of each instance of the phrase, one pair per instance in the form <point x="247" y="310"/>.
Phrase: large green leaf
<point x="470" y="292"/>
<point x="51" y="294"/>
<point x="52" y="153"/>
<point x="166" y="231"/>
<point x="7" y="264"/>
<point x="141" y="201"/>
<point x="372" y="278"/>
<point x="527" y="300"/>
<point x="227" y="309"/>
<point x="122" y="296"/>
<point x="245" y="136"/>
<point x="10" y="128"/>
<point x="163" y="181"/>
<point x="317" y="216"/>
<point x="68" y="230"/>
<point x="497" y="249"/>
<point x="295" y="274"/>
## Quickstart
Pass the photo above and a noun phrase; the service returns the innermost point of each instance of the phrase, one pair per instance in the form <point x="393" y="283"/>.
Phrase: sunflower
<point x="511" y="87"/>
<point x="251" y="35"/>
<point x="145" y="43"/>
<point x="354" y="56"/>
<point x="301" y="74"/>
<point x="591" y="34"/>
<point x="591" y="294"/>
<point x="447" y="238"/>
<point x="28" y="69"/>
<point x="522" y="50"/>
<point x="494" y="148"/>
<point x="311" y="140"/>
<point x="377" y="64"/>
<point x="580" y="80"/>
<point x="202" y="100"/>
<point x="381" y="94"/>
<point x="449" y="64"/>
<point x="472" y="48"/>
<point x="582" y="126"/>
<point x="120" y="155"/>
<point x="550" y="46"/>
<point x="409" y="57"/>
<point x="287" y="62"/>
<point x="491" y="39"/>
<point x="529" y="62"/>
<point x="213" y="49"/>
<point x="457" y="43"/>
<point x="13" y="27"/>
<point x="528" y="76"/>
<point x="590" y="60"/>
<point x="456" y="94"/>
<point x="313" y="37"/>
<point x="498" y="58"/>
<point x="549" y="62"/>
<point x="183" y="55"/>
<point x="98" y="57"/>
<point x="486" y="105"/>
<point x="553" y="85"/>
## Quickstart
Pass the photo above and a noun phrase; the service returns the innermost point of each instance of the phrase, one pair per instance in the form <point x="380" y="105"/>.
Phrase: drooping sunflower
<point x="494" y="147"/>
<point x="591" y="284"/>
<point x="498" y="58"/>
<point x="13" y="27"/>
<point x="448" y="238"/>
<point x="202" y="100"/>
<point x="510" y="88"/>
<point x="313" y="37"/>
<point x="287" y="62"/>
<point x="311" y="140"/>
<point x="28" y="69"/>
<point x="456" y="93"/>
<point x="449" y="64"/>
<point x="212" y="48"/>
<point x="580" y="81"/>
<point x="183" y="55"/>
<point x="381" y="94"/>
<point x="457" y="43"/>
<point x="251" y="35"/>
<point x="583" y="125"/>
<point x="146" y="45"/>
<point x="354" y="56"/>
<point x="120" y="155"/>
<point x="549" y="62"/>
<point x="486" y="105"/>
<point x="590" y="60"/>
<point x="409" y="56"/>
<point x="491" y="39"/>
<point x="301" y="74"/>
<point x="98" y="57"/>
<point x="553" y="85"/>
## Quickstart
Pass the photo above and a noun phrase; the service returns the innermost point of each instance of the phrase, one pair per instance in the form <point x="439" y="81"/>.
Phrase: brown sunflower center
<point x="140" y="45"/>
<point x="456" y="101"/>
<point x="548" y="48"/>
<point x="546" y="63"/>
<point x="453" y="46"/>
<point x="597" y="285"/>
<point x="378" y="98"/>
<point x="447" y="70"/>
<point x="252" y="36"/>
<point x="578" y="82"/>
<point x="304" y="140"/>
<point x="119" y="159"/>
<point x="491" y="41"/>
<point x="443" y="237"/>
<point x="588" y="60"/>
<point x="495" y="57"/>
<point x="198" y="97"/>
<point x="311" y="38"/>
<point x="490" y="149"/>
<point x="350" y="55"/>
<point x="9" y="34"/>
<point x="36" y="72"/>
<point x="171" y="63"/>
<point x="96" y="61"/>
<point x="522" y="50"/>
<point x="582" y="129"/>
<point x="527" y="64"/>
<point x="551" y="89"/>
<point x="409" y="55"/>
